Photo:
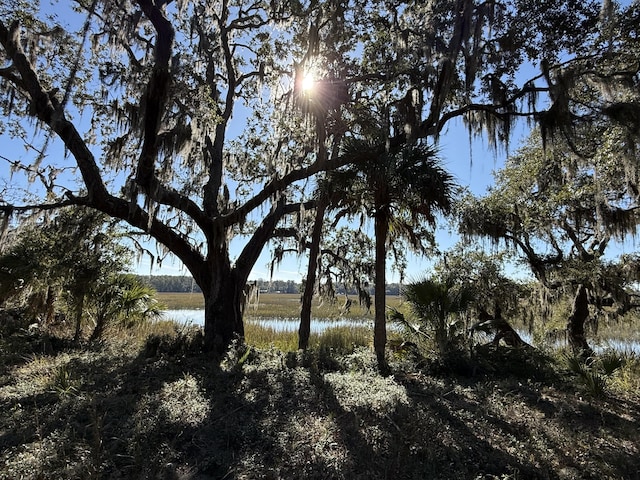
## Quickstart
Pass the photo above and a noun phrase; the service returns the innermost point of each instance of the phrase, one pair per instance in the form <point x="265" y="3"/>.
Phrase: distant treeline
<point x="171" y="283"/>
<point x="175" y="283"/>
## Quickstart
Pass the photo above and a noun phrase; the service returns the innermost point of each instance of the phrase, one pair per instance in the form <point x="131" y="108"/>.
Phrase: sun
<point x="308" y="82"/>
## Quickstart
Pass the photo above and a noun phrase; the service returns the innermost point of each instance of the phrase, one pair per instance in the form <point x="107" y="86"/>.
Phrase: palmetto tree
<point x="402" y="192"/>
<point x="433" y="301"/>
<point x="122" y="298"/>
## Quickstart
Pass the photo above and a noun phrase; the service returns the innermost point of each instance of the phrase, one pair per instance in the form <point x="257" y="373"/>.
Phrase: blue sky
<point x="472" y="166"/>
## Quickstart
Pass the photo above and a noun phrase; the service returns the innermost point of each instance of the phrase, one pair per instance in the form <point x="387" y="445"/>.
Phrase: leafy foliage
<point x="596" y="373"/>
<point x="121" y="299"/>
<point x="72" y="264"/>
<point x="162" y="81"/>
<point x="559" y="212"/>
<point x="68" y="251"/>
<point x="436" y="305"/>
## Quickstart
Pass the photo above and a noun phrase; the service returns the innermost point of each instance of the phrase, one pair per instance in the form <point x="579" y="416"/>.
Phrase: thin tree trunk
<point x="380" y="323"/>
<point x="98" y="330"/>
<point x="575" y="324"/>
<point x="307" y="297"/>
<point x="49" y="305"/>
<point x="78" y="319"/>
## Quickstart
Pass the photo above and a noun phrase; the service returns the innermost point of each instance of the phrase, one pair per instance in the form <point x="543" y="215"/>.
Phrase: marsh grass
<point x="277" y="305"/>
<point x="341" y="339"/>
<point x="181" y="301"/>
<point x="624" y="327"/>
<point x="262" y="336"/>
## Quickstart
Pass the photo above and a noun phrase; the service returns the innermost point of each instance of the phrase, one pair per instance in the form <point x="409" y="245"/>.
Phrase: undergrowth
<point x="149" y="404"/>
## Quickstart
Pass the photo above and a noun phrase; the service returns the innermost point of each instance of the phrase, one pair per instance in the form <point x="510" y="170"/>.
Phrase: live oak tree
<point x="160" y="84"/>
<point x="560" y="212"/>
<point x="574" y="187"/>
<point x="191" y="121"/>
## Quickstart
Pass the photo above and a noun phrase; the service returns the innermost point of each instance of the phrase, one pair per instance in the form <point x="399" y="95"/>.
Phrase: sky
<point x="472" y="165"/>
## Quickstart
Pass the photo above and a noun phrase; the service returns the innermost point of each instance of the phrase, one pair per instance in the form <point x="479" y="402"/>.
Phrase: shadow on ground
<point x="171" y="413"/>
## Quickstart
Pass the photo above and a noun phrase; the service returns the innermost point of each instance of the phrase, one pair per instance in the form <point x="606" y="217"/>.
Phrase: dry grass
<point x="153" y="407"/>
<point x="181" y="301"/>
<point x="277" y="305"/>
<point x="269" y="414"/>
<point x="341" y="339"/>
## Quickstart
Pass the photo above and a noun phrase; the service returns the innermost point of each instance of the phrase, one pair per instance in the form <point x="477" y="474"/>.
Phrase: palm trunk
<point x="380" y="324"/>
<point x="307" y="297"/>
<point x="49" y="305"/>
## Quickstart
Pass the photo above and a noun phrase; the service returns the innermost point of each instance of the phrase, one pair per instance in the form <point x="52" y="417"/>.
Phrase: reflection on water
<point x="598" y="345"/>
<point x="196" y="317"/>
<point x="618" y="345"/>
<point x="318" y="325"/>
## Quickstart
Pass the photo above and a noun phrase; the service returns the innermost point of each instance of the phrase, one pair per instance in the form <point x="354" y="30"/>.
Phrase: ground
<point x="159" y="409"/>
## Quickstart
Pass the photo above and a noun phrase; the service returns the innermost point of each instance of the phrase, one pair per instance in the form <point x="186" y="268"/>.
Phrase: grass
<point x="342" y="339"/>
<point x="148" y="404"/>
<point x="276" y="305"/>
<point x="287" y="306"/>
<point x="181" y="301"/>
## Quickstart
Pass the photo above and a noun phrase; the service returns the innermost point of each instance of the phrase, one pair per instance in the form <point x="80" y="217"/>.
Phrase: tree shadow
<point x="177" y="414"/>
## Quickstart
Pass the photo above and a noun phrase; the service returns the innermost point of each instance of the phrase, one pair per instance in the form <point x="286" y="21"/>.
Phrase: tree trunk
<point x="223" y="286"/>
<point x="501" y="328"/>
<point x="98" y="330"/>
<point x="49" y="305"/>
<point x="307" y="297"/>
<point x="380" y="324"/>
<point x="78" y="319"/>
<point x="223" y="296"/>
<point x="575" y="324"/>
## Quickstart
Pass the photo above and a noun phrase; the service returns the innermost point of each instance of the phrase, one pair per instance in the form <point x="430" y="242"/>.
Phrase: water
<point x="196" y="317"/>
<point x="318" y="325"/>
<point x="631" y="346"/>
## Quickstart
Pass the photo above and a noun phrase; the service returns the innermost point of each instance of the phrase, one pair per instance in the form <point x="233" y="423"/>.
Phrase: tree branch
<point x="138" y="217"/>
<point x="44" y="107"/>
<point x="155" y="96"/>
<point x="278" y="184"/>
<point x="263" y="234"/>
<point x="11" y="209"/>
